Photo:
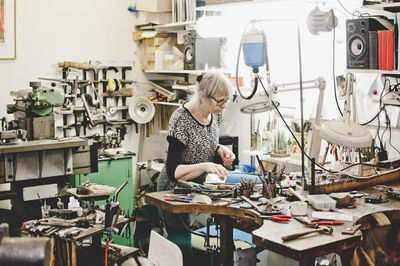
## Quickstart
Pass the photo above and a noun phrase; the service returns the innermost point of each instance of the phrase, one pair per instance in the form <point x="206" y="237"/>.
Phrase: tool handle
<point x="225" y="187"/>
<point x="246" y="199"/>
<point x="297" y="235"/>
<point x="118" y="190"/>
<point x="327" y="223"/>
<point x="294" y="193"/>
<point x="279" y="219"/>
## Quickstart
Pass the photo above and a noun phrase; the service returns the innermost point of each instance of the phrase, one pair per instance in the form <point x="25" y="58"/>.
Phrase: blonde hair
<point x="211" y="83"/>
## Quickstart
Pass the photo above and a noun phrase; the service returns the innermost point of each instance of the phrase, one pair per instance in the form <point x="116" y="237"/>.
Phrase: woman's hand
<point x="213" y="168"/>
<point x="226" y="155"/>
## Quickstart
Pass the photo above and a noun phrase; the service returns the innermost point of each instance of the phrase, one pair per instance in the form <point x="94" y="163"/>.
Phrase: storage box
<point x="154" y="5"/>
<point x="145" y="18"/>
<point x="148" y="46"/>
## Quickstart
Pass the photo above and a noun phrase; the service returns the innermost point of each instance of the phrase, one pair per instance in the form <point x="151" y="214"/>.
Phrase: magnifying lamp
<point x="258" y="104"/>
<point x="344" y="131"/>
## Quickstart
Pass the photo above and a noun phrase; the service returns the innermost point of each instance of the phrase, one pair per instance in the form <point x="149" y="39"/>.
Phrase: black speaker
<point x="362" y="42"/>
<point x="200" y="53"/>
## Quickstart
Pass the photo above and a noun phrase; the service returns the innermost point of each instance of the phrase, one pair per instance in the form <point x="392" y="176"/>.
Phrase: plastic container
<point x="245" y="168"/>
<point x="321" y="202"/>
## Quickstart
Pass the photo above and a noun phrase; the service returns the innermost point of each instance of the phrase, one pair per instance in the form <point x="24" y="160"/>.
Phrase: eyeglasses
<point x="221" y="102"/>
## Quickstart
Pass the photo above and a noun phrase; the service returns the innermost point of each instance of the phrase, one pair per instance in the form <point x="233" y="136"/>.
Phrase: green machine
<point x="44" y="99"/>
<point x="114" y="172"/>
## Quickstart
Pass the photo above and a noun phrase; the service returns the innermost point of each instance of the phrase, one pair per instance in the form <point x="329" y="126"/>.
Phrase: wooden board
<point x="356" y="184"/>
<point x="157" y="199"/>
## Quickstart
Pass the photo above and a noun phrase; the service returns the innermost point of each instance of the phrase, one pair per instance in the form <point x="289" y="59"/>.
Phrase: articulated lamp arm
<point x="314" y="145"/>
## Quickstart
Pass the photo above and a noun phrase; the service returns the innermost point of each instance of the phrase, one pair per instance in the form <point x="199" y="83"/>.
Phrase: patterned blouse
<point x="200" y="143"/>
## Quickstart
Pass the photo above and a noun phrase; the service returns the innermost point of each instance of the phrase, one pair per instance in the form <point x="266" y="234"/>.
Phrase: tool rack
<point x="96" y="73"/>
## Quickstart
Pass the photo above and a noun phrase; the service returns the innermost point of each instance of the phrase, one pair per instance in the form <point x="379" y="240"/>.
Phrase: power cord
<point x="194" y="232"/>
<point x="301" y="147"/>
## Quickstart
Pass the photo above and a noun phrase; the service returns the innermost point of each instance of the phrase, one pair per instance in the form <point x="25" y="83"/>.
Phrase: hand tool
<point x="325" y="154"/>
<point x="304" y="220"/>
<point x="294" y="193"/>
<point x="325" y="229"/>
<point x="326" y="223"/>
<point x="112" y="211"/>
<point x="277" y="218"/>
<point x="269" y="209"/>
<point x="177" y="199"/>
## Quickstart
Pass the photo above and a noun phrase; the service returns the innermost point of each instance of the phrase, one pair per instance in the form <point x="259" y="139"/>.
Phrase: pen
<point x="40" y="200"/>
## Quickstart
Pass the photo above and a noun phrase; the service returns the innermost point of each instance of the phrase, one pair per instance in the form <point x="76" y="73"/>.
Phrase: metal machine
<point x="33" y="111"/>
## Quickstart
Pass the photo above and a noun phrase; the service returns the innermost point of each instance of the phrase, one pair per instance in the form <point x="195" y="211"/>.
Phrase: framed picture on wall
<point x="8" y="30"/>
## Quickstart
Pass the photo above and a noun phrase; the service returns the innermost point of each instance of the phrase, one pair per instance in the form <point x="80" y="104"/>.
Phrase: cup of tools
<point x="247" y="192"/>
<point x="269" y="190"/>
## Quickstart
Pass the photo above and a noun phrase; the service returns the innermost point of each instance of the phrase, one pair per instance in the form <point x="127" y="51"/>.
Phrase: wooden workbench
<point x="226" y="216"/>
<point x="66" y="248"/>
<point x="268" y="234"/>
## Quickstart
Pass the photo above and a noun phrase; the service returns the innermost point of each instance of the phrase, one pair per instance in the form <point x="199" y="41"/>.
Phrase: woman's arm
<point x="191" y="171"/>
<point x="226" y="155"/>
<point x="177" y="170"/>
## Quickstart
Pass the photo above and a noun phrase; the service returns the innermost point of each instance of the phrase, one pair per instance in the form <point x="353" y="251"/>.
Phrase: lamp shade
<point x="346" y="133"/>
<point x="258" y="104"/>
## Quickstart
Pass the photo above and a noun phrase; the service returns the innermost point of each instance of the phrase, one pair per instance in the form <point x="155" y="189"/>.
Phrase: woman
<point x="193" y="149"/>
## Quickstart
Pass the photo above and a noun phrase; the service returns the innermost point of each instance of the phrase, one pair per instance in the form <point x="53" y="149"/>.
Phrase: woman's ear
<point x="201" y="96"/>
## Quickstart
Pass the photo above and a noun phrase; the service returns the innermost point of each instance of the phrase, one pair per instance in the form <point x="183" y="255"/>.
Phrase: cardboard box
<point x="145" y="18"/>
<point x="147" y="47"/>
<point x="154" y="5"/>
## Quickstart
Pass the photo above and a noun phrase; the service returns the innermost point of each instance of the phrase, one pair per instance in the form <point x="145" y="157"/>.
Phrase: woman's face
<point x="218" y="103"/>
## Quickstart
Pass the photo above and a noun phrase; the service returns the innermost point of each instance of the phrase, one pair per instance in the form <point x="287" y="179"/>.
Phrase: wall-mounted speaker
<point x="362" y="42"/>
<point x="199" y="52"/>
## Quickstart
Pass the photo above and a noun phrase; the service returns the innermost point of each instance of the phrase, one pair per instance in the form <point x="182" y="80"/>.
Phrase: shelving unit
<point x="374" y="71"/>
<point x="178" y="26"/>
<point x="244" y="3"/>
<point x="390" y="7"/>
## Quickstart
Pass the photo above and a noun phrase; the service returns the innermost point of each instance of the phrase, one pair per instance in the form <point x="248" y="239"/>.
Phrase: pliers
<point x="277" y="218"/>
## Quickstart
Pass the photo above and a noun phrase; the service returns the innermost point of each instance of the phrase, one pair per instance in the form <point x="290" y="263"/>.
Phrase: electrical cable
<point x="194" y="232"/>
<point x="301" y="147"/>
<point x="390" y="140"/>
<point x="356" y="11"/>
<point x="333" y="68"/>
<point x="106" y="254"/>
<point x="237" y="73"/>
<point x="291" y="132"/>
<point x="380" y="104"/>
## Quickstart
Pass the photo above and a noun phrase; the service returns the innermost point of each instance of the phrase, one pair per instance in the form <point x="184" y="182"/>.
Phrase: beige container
<point x="154" y="5"/>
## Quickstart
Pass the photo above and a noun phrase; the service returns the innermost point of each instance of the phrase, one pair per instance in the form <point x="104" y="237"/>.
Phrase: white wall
<point x="52" y="31"/>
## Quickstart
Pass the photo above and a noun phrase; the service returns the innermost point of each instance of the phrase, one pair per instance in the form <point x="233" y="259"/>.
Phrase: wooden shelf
<point x="390" y="7"/>
<point x="169" y="27"/>
<point x="375" y="71"/>
<point x="167" y="103"/>
<point x="241" y="4"/>
<point x="190" y="72"/>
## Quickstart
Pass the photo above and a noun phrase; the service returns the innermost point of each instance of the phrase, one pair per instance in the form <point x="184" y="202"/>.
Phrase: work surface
<point x="269" y="233"/>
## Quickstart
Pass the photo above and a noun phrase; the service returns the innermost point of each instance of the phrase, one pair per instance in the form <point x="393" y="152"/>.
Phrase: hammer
<point x="318" y="228"/>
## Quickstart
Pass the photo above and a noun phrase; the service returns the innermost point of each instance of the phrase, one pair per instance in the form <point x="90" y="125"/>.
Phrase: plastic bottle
<point x="267" y="140"/>
<point x="71" y="203"/>
<point x="60" y="204"/>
